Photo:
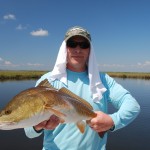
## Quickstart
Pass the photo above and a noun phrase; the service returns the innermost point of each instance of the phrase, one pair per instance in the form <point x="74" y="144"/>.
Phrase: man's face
<point x="78" y="49"/>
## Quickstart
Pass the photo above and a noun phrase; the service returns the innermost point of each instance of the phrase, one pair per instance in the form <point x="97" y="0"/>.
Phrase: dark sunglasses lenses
<point x="84" y="45"/>
<point x="73" y="44"/>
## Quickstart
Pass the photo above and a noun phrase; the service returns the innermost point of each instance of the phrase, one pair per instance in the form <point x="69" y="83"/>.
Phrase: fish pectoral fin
<point x="81" y="126"/>
<point x="56" y="112"/>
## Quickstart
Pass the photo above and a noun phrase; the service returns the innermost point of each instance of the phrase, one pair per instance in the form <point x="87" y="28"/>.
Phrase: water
<point x="16" y="139"/>
<point x="133" y="137"/>
<point x="137" y="134"/>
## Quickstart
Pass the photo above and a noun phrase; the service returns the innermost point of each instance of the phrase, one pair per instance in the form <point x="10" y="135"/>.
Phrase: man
<point x="76" y="69"/>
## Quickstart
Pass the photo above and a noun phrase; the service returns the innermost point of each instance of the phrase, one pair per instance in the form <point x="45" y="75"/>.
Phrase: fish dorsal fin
<point x="68" y="92"/>
<point x="45" y="83"/>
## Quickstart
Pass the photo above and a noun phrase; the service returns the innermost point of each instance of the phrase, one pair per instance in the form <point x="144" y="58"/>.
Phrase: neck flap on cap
<point x="59" y="72"/>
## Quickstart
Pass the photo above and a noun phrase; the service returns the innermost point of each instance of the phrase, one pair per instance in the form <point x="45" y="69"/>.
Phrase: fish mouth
<point x="6" y="125"/>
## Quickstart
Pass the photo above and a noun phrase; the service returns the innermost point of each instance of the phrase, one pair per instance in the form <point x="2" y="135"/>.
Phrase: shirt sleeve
<point x="31" y="133"/>
<point x="126" y="105"/>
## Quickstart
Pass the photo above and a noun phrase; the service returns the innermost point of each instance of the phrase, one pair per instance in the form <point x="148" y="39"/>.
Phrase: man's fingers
<point x="52" y="122"/>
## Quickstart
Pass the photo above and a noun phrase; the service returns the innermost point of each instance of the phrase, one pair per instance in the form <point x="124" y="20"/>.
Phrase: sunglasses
<point x="74" y="44"/>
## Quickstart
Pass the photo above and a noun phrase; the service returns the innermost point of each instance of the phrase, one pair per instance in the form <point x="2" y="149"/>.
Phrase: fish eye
<point x="7" y="112"/>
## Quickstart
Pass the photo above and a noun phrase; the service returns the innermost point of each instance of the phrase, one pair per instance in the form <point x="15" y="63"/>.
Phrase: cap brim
<point x="66" y="39"/>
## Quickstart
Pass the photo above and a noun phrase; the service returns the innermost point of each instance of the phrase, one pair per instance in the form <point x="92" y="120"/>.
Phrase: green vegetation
<point x="22" y="75"/>
<point x="136" y="75"/>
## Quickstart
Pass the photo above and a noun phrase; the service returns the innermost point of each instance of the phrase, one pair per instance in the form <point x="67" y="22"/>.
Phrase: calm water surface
<point x="134" y="137"/>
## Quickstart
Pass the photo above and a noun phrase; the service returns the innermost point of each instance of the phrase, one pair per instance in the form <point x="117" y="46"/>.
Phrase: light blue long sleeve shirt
<point x="67" y="136"/>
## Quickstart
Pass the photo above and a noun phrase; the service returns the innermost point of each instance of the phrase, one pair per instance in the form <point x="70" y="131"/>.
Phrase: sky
<point x="31" y="32"/>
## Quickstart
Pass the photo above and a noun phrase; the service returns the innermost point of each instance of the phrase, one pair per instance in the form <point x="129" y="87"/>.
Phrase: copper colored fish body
<point x="34" y="105"/>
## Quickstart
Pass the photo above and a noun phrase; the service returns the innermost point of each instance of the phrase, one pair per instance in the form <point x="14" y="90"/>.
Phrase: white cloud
<point x="111" y="65"/>
<point x="20" y="27"/>
<point x="1" y="59"/>
<point x="9" y="17"/>
<point x="36" y="64"/>
<point x="39" y="32"/>
<point x="7" y="63"/>
<point x="144" y="64"/>
<point x="138" y="65"/>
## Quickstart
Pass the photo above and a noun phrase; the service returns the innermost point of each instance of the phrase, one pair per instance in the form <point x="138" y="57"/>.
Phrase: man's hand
<point x="102" y="122"/>
<point x="50" y="124"/>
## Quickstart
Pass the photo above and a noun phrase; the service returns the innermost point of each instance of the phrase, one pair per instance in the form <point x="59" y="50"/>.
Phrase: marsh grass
<point x="135" y="75"/>
<point x="20" y="75"/>
<point x="26" y="75"/>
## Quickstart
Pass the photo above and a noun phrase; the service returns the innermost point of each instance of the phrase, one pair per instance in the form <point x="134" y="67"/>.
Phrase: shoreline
<point x="27" y="75"/>
<point x="133" y="75"/>
<point x="20" y="75"/>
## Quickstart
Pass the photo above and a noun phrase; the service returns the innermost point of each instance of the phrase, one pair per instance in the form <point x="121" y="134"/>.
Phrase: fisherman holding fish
<point x="76" y="70"/>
